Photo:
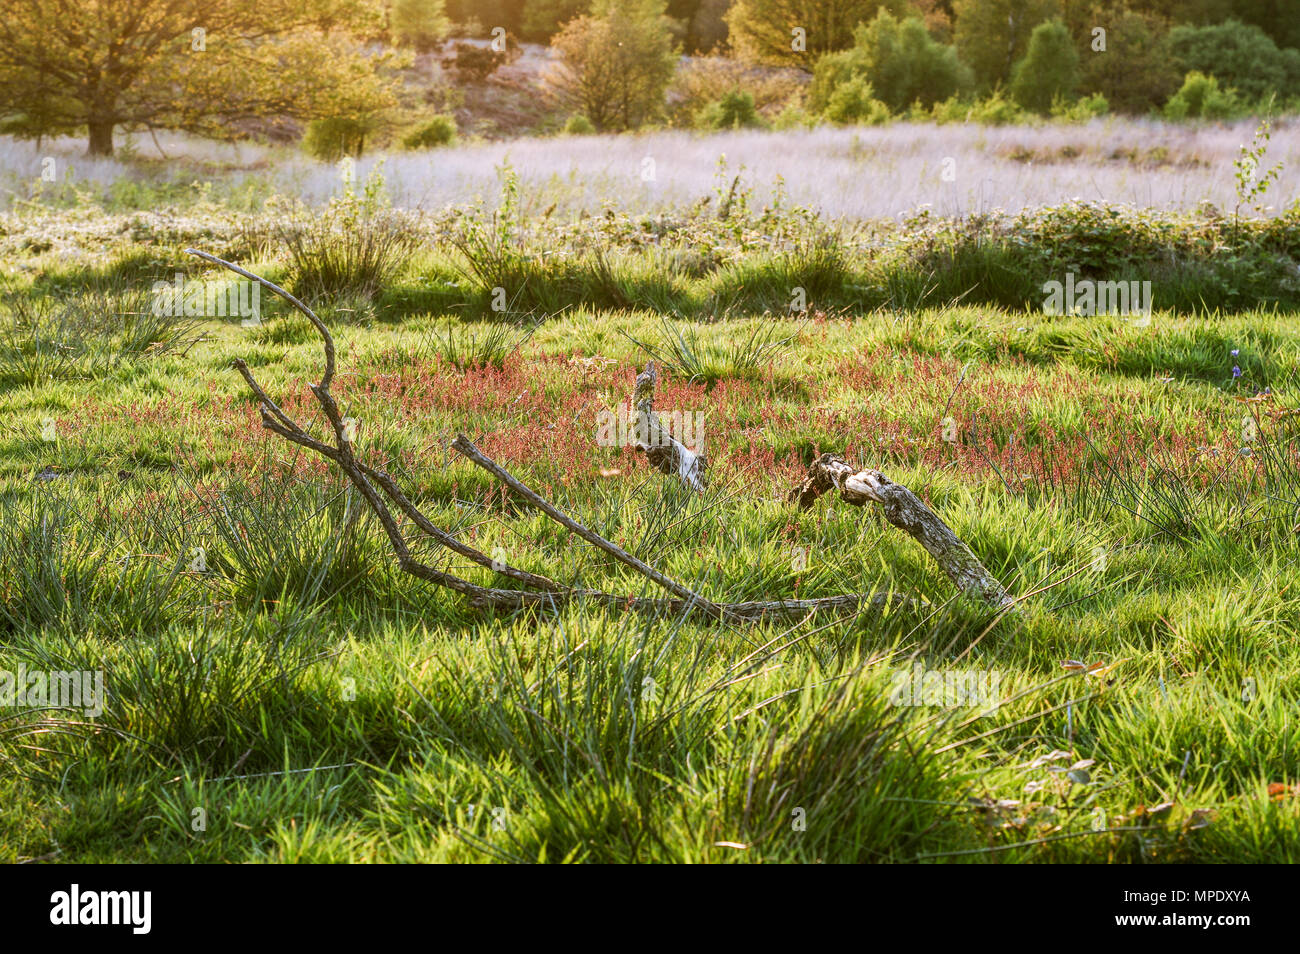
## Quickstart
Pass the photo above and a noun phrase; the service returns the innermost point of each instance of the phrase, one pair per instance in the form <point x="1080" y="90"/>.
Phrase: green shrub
<point x="438" y="131"/>
<point x="544" y="18"/>
<point x="1050" y="69"/>
<point x="334" y="137"/>
<point x="997" y="110"/>
<point x="854" y="102"/>
<point x="1196" y="264"/>
<point x="991" y="35"/>
<point x="352" y="249"/>
<point x="616" y="63"/>
<point x="579" y="125"/>
<point x="1136" y="72"/>
<point x="793" y="116"/>
<point x="1242" y="57"/>
<point x="954" y="109"/>
<point x="420" y="24"/>
<point x="470" y="63"/>
<point x="1201" y="98"/>
<point x="735" y="110"/>
<point x="900" y="61"/>
<point x="705" y="80"/>
<point x="1081" y="110"/>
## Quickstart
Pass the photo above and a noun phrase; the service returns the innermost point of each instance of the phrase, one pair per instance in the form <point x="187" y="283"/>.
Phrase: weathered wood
<point x="662" y="450"/>
<point x="904" y="510"/>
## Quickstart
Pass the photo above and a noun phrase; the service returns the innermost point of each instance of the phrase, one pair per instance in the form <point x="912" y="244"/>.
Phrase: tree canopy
<point x="617" y="62"/>
<point x="198" y="65"/>
<point x="796" y="32"/>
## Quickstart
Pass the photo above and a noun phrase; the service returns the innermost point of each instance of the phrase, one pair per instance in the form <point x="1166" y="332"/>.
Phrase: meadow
<point x="278" y="690"/>
<point x="856" y="173"/>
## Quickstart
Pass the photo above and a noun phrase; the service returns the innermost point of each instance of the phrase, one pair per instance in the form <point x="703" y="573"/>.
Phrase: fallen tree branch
<point x="664" y="451"/>
<point x="905" y="510"/>
<point x="467" y="450"/>
<point x="544" y="591"/>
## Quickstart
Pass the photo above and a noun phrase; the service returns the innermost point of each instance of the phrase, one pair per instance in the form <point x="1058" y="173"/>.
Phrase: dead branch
<point x="463" y="445"/>
<point x="906" y="511"/>
<point x="543" y="591"/>
<point x="664" y="451"/>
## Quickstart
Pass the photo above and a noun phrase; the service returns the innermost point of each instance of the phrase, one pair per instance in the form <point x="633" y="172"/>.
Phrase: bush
<point x="579" y="125"/>
<point x="544" y="18"/>
<point x="996" y="110"/>
<point x="419" y="23"/>
<point x="760" y="30"/>
<point x="1136" y="72"/>
<point x="1082" y="110"/>
<point x="334" y="137"/>
<point x="1201" y="98"/>
<point x="854" y="102"/>
<point x="793" y="116"/>
<point x="352" y="249"/>
<point x="1239" y="56"/>
<point x="954" y="109"/>
<point x="900" y="61"/>
<point x="991" y="35"/>
<point x="471" y="63"/>
<point x="1050" y="69"/>
<point x="735" y="110"/>
<point x="1197" y="264"/>
<point x="438" y="131"/>
<point x="706" y="80"/>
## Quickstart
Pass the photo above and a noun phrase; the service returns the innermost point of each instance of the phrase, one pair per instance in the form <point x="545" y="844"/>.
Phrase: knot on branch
<point x="908" y="512"/>
<point x="829" y="472"/>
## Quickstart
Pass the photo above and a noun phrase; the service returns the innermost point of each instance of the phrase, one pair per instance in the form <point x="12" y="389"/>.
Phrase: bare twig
<point x="466" y="448"/>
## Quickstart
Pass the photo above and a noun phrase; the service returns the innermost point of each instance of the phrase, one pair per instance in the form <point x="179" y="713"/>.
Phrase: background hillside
<point x="344" y="77"/>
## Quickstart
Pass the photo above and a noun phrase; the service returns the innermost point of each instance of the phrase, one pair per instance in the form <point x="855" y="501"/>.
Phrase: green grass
<point x="279" y="691"/>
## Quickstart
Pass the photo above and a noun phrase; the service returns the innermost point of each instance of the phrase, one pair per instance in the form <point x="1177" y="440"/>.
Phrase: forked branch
<point x="377" y="488"/>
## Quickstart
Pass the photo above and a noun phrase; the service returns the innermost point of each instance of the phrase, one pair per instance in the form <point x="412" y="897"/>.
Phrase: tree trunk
<point x="101" y="138"/>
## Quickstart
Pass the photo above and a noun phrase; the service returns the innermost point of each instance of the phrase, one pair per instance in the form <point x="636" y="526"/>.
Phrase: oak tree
<point x="197" y="65"/>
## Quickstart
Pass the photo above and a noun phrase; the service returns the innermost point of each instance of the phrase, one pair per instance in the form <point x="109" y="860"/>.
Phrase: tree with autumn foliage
<point x="195" y="65"/>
